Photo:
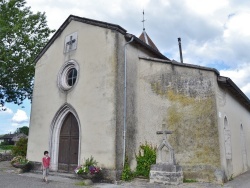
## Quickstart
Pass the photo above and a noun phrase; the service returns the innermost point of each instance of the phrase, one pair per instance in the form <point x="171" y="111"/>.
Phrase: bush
<point x="145" y="158"/>
<point x="89" y="167"/>
<point x="127" y="174"/>
<point x="19" y="160"/>
<point x="20" y="149"/>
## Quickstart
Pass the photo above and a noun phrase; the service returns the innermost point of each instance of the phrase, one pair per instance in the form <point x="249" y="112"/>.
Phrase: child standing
<point x="45" y="166"/>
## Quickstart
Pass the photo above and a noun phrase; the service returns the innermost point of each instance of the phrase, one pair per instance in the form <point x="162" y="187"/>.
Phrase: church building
<point x="100" y="91"/>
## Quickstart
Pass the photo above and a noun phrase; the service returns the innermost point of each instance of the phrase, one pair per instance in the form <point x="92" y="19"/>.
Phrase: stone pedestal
<point x="166" y="173"/>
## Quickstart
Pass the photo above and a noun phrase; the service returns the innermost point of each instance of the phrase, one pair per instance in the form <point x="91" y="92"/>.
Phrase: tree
<point x="24" y="130"/>
<point x="22" y="36"/>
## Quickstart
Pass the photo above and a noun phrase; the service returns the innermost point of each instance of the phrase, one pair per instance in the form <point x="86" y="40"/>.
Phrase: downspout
<point x="125" y="100"/>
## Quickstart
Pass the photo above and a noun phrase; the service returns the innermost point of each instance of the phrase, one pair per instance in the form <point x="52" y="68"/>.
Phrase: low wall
<point x="5" y="157"/>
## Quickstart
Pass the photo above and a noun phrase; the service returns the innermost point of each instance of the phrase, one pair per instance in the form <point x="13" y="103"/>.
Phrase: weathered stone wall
<point x="183" y="98"/>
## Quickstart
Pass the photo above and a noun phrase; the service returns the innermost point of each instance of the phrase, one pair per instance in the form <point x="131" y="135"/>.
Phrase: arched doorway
<point x="68" y="144"/>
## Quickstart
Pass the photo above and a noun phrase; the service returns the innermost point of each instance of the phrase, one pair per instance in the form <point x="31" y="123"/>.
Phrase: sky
<point x="214" y="33"/>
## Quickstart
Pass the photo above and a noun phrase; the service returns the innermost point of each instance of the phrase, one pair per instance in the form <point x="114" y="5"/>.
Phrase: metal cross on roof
<point x="143" y="20"/>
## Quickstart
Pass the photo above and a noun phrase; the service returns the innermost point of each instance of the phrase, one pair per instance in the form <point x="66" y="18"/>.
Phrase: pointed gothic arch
<point x="55" y="130"/>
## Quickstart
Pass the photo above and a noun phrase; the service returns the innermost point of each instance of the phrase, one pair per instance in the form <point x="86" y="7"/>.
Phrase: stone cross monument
<point x="166" y="172"/>
<point x="163" y="144"/>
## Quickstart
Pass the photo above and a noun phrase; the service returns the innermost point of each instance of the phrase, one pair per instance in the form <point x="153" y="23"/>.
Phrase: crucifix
<point x="166" y="144"/>
<point x="70" y="42"/>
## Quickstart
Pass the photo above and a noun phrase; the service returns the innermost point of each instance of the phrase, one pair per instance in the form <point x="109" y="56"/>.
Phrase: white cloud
<point x="206" y="6"/>
<point x="240" y="76"/>
<point x="19" y="117"/>
<point x="236" y="25"/>
<point x="213" y="32"/>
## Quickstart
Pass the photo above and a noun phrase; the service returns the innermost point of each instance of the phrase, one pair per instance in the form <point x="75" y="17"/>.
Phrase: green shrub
<point x="127" y="174"/>
<point x="145" y="158"/>
<point x="20" y="149"/>
<point x="89" y="167"/>
<point x="19" y="160"/>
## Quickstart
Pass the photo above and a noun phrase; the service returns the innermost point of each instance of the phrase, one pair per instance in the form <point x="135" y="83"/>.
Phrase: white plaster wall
<point x="236" y="115"/>
<point x="140" y="127"/>
<point x="93" y="96"/>
<point x="47" y="99"/>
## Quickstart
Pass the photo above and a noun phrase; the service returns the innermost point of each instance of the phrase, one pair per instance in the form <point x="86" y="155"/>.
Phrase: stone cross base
<point x="165" y="173"/>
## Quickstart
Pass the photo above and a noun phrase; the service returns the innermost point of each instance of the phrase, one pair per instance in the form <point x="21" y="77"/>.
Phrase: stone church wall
<point x="184" y="99"/>
<point x="92" y="99"/>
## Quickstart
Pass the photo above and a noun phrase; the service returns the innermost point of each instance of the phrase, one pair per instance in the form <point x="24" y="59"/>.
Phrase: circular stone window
<point x="68" y="75"/>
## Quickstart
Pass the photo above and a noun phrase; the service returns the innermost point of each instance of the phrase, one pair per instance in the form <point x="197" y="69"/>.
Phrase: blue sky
<point x="14" y="117"/>
<point x="213" y="33"/>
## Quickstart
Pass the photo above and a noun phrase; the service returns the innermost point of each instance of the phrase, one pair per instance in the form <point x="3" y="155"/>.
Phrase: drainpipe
<point x="125" y="100"/>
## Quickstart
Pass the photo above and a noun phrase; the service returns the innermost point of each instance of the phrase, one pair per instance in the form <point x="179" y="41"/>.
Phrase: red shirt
<point x="46" y="162"/>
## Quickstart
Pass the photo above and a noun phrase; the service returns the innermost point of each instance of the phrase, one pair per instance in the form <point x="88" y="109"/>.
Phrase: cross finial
<point x="164" y="131"/>
<point x="143" y="20"/>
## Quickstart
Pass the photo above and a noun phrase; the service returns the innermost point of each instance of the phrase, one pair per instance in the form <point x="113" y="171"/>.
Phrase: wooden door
<point x="68" y="145"/>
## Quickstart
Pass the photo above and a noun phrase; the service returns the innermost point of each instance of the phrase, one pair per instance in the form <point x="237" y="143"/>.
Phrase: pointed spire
<point x="144" y="36"/>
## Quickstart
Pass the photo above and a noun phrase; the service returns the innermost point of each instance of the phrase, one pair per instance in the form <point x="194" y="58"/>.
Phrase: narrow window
<point x="72" y="75"/>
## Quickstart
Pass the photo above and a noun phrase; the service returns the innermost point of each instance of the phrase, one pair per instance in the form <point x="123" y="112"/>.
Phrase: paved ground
<point x="9" y="178"/>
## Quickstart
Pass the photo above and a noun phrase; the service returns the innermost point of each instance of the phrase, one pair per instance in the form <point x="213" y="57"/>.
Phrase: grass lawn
<point x="5" y="148"/>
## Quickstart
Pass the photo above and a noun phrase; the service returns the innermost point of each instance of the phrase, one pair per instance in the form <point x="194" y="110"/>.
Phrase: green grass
<point x="189" y="181"/>
<point x="6" y="147"/>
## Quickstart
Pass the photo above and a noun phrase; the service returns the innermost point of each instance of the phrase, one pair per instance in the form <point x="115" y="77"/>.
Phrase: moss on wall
<point x="193" y="121"/>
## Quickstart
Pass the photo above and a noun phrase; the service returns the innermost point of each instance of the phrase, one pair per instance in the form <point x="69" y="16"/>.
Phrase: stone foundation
<point x="204" y="173"/>
<point x="167" y="174"/>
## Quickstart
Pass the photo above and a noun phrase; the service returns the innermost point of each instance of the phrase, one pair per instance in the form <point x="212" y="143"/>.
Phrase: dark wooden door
<point x="68" y="145"/>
